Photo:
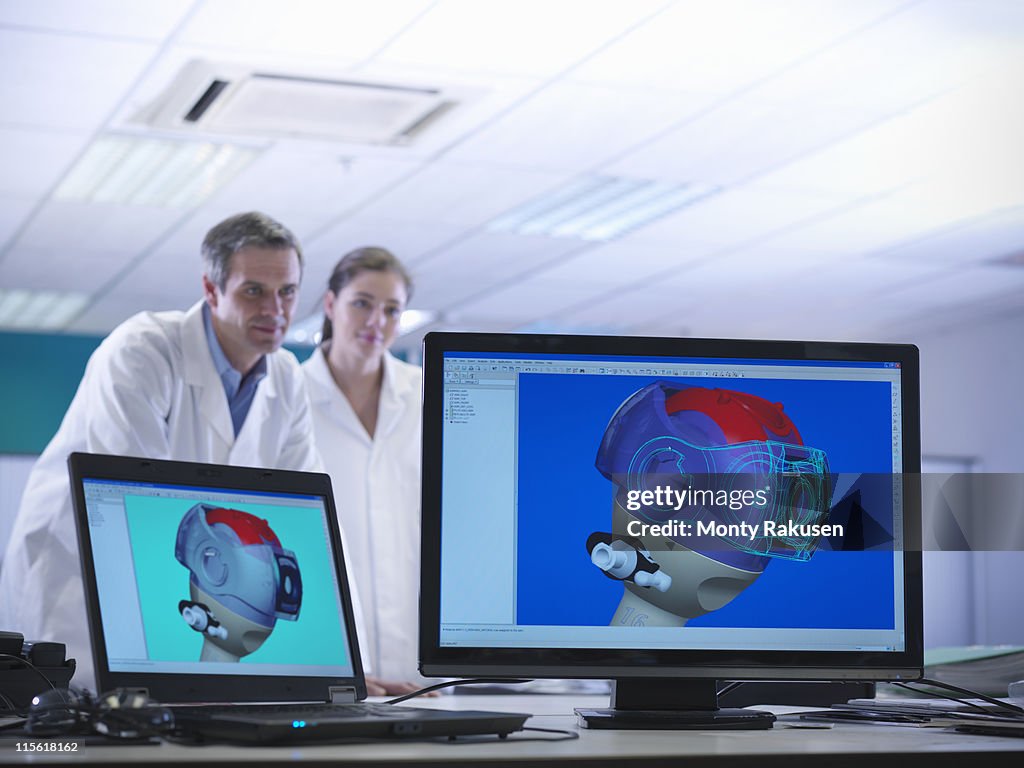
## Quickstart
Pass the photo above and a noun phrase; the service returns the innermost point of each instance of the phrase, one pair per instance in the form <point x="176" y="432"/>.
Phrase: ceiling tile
<point x="572" y="126"/>
<point x="624" y="310"/>
<point x="74" y="228"/>
<point x="107" y="18"/>
<point x="918" y="52"/>
<point x="35" y="269"/>
<point x="13" y="212"/>
<point x="58" y="81"/>
<point x="34" y="161"/>
<point x="179" y="278"/>
<point x="967" y="139"/>
<point x="438" y="294"/>
<point x="855" y="282"/>
<point x="737" y="215"/>
<point x="766" y="264"/>
<point x="781" y="287"/>
<point x="886" y="129"/>
<point x="306" y="189"/>
<point x="740" y="139"/>
<point x="347" y="29"/>
<point x="521" y="37"/>
<point x="970" y="285"/>
<point x="989" y="237"/>
<point x="483" y="262"/>
<point x="118" y="306"/>
<point x="185" y="240"/>
<point x="626" y="262"/>
<point x="527" y="300"/>
<point x="885" y="223"/>
<point x="465" y="195"/>
<point x="410" y="241"/>
<point x="726" y="45"/>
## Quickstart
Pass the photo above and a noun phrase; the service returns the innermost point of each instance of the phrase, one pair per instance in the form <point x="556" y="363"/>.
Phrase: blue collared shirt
<point x="240" y="390"/>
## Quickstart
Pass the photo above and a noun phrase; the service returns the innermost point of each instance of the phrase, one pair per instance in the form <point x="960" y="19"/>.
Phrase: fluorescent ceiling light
<point x="41" y="310"/>
<point x="307" y="331"/>
<point x="156" y="172"/>
<point x="600" y="207"/>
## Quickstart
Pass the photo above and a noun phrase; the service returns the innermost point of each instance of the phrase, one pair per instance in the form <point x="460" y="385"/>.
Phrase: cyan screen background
<point x="316" y="637"/>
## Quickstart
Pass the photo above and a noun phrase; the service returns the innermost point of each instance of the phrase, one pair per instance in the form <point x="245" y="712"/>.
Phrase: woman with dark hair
<point x="366" y="412"/>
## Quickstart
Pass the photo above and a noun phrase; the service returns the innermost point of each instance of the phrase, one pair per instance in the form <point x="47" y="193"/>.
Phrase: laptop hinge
<point x="340" y="694"/>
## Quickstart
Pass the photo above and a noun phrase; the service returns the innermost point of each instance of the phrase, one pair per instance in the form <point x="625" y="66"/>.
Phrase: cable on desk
<point x="17" y="723"/>
<point x="450" y="683"/>
<point x="31" y="666"/>
<point x="1019" y="711"/>
<point x="8" y="706"/>
<point x="7" y="702"/>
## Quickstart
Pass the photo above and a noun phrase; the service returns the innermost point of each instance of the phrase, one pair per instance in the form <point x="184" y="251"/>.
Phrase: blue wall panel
<point x="41" y="373"/>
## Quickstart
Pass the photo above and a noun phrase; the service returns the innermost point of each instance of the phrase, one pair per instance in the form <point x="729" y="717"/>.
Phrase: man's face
<point x="251" y="315"/>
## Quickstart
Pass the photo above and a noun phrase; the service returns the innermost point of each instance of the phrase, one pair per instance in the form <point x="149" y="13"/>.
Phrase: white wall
<point x="972" y="407"/>
<point x="13" y="476"/>
<point x="972" y="394"/>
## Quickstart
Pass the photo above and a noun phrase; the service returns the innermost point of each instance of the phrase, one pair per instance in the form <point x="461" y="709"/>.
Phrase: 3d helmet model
<point x="688" y="438"/>
<point x="242" y="580"/>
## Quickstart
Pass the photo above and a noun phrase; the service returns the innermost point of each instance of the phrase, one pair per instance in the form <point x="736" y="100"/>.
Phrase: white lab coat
<point x="150" y="389"/>
<point x="377" y="491"/>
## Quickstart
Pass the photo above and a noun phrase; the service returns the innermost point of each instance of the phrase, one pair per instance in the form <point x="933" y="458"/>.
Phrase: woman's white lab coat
<point x="377" y="491"/>
<point x="151" y="390"/>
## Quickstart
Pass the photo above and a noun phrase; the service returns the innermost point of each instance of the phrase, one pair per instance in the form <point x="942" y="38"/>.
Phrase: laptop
<point x="221" y="592"/>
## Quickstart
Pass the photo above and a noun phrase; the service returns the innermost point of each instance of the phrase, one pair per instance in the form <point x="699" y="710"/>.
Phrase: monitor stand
<point x="670" y="704"/>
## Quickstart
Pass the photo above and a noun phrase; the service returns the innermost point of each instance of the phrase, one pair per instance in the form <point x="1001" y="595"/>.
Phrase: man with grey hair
<point x="210" y="384"/>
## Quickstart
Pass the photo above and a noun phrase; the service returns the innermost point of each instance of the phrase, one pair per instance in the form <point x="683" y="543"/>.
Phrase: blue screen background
<point x="562" y="499"/>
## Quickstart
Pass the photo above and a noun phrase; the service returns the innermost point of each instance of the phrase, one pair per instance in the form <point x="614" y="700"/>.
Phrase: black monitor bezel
<point x="183" y="687"/>
<point x="437" y="660"/>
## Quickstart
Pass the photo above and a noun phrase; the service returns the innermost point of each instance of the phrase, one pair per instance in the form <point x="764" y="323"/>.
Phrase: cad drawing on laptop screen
<point x="201" y="580"/>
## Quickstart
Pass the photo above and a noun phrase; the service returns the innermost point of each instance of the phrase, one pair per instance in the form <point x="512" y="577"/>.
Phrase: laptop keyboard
<point x="321" y="711"/>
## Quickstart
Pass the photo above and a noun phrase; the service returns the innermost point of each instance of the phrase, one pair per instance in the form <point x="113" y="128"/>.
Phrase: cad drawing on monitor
<point x="690" y="442"/>
<point x="241" y="580"/>
<point x="671" y="514"/>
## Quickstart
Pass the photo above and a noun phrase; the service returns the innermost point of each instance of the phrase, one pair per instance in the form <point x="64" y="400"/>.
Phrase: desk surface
<point x="848" y="744"/>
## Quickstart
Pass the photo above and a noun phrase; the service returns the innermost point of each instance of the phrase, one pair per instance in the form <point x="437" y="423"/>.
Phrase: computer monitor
<point x="669" y="512"/>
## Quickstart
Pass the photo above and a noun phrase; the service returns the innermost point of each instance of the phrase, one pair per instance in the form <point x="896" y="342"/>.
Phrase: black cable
<point x="9" y="705"/>
<point x="942" y="696"/>
<point x="31" y="666"/>
<point x="450" y="683"/>
<point x="967" y="692"/>
<point x="729" y="687"/>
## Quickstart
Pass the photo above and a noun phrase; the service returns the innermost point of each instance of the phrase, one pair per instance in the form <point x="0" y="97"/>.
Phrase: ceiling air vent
<point x="227" y="98"/>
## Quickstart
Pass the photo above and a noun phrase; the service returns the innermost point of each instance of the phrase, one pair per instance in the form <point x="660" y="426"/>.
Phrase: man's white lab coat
<point x="377" y="491"/>
<point x="149" y="390"/>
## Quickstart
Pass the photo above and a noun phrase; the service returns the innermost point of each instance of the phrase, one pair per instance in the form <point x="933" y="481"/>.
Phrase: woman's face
<point x="365" y="312"/>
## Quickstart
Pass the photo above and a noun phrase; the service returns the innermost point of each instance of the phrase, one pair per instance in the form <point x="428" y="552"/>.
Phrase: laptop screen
<point x="207" y="580"/>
